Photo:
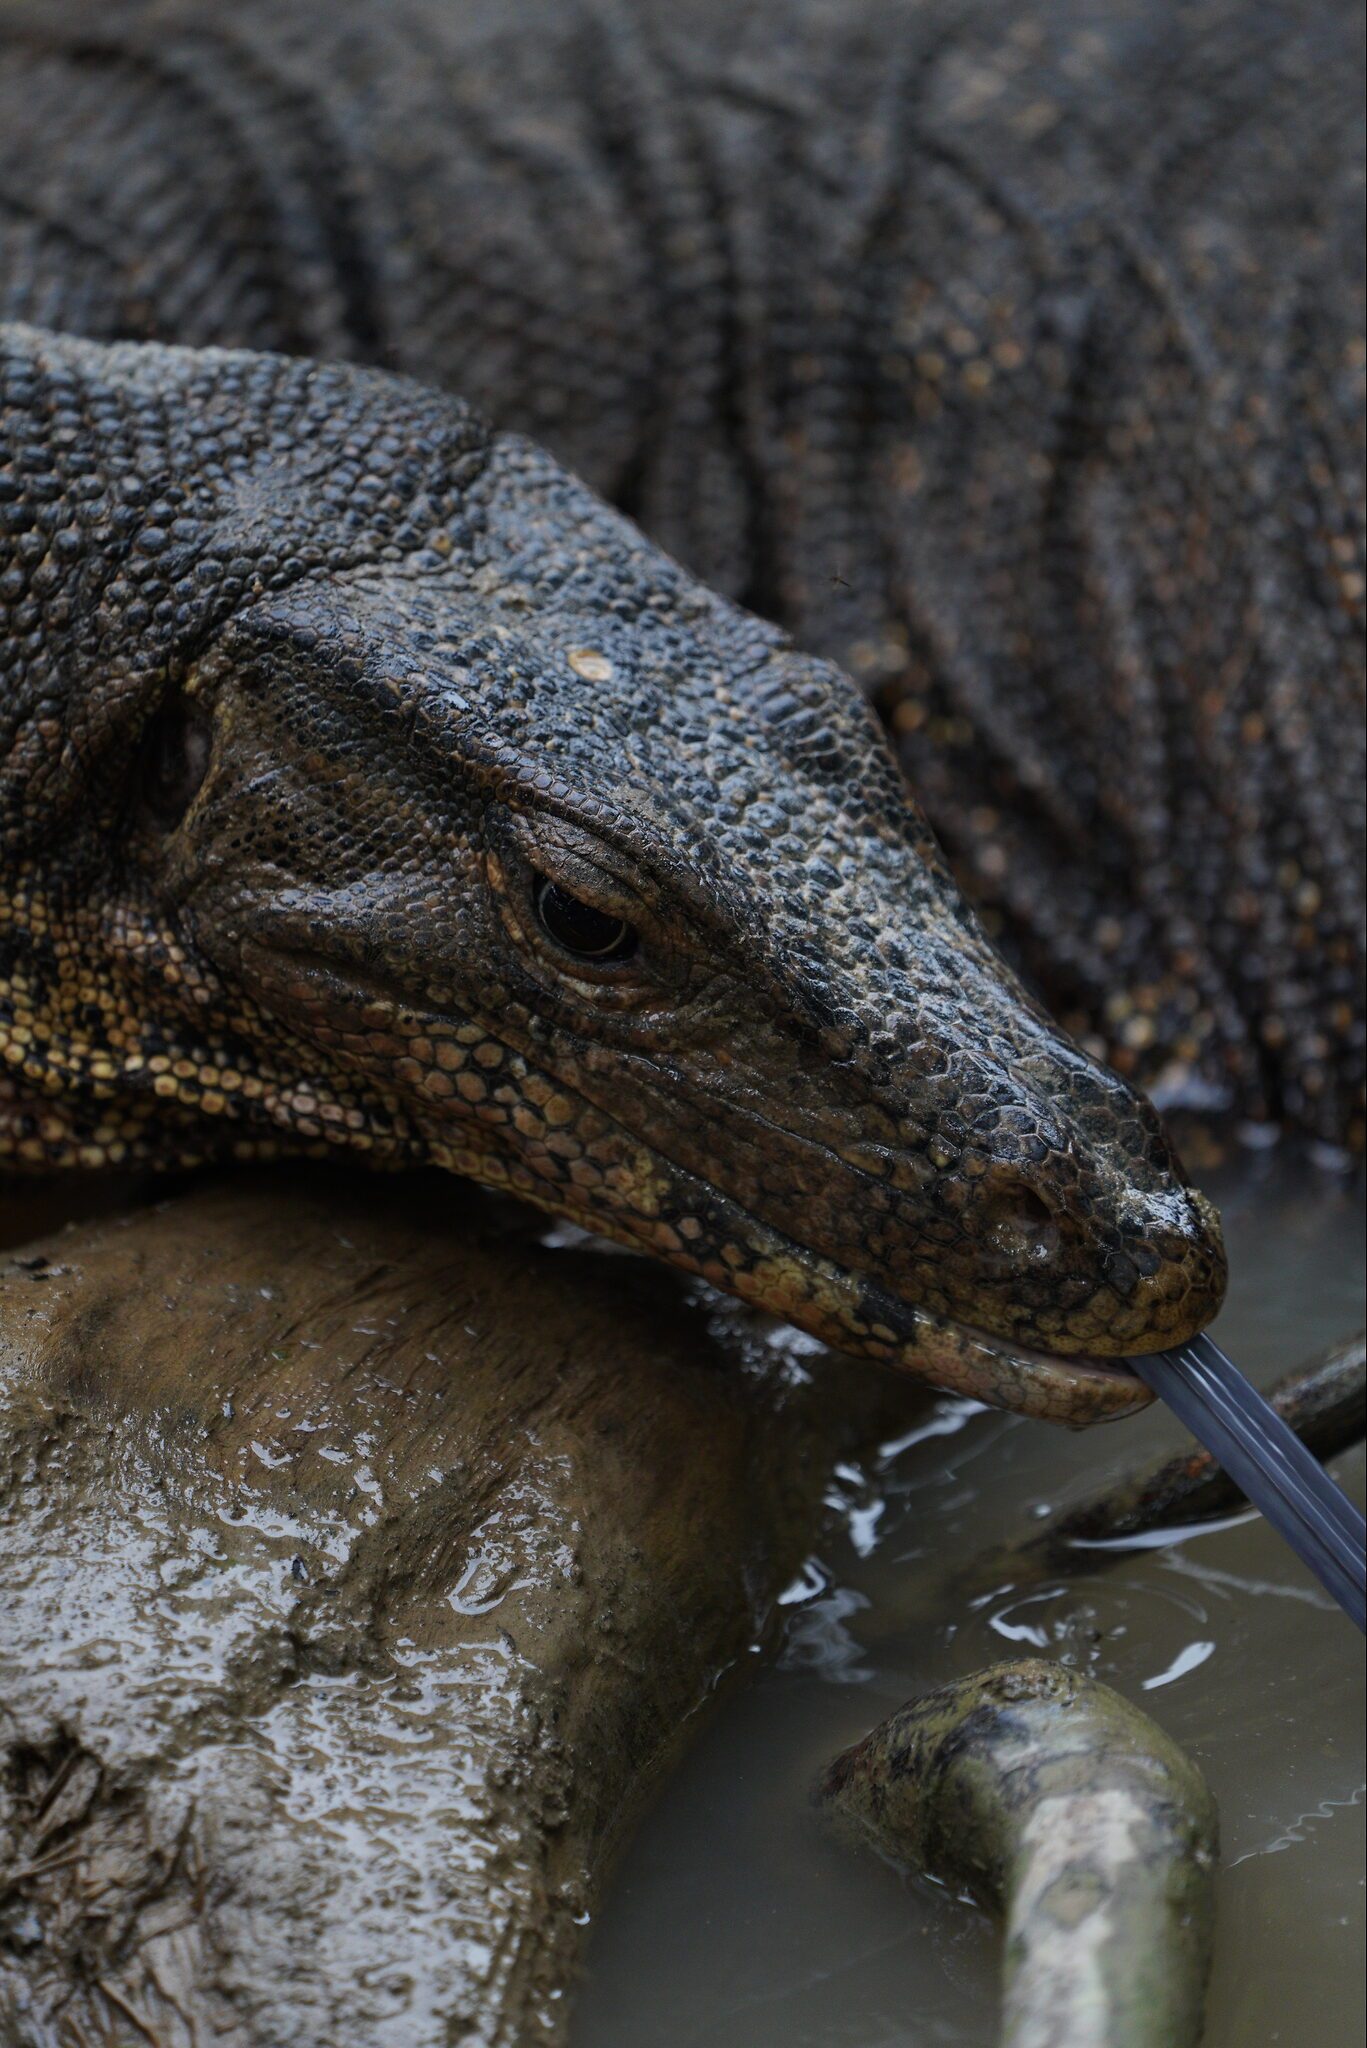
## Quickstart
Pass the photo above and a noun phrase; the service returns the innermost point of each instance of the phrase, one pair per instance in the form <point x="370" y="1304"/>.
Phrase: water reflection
<point x="738" y="1923"/>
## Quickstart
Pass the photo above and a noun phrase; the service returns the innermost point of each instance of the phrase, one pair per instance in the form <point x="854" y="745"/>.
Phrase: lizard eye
<point x="587" y="933"/>
<point x="175" y="760"/>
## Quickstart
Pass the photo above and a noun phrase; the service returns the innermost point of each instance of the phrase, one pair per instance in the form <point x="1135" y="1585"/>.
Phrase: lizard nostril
<point x="1019" y="1226"/>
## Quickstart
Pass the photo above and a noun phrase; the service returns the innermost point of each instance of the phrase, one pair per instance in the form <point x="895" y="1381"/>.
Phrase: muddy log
<point x="1071" y="1814"/>
<point x="362" y="1561"/>
<point x="1324" y="1402"/>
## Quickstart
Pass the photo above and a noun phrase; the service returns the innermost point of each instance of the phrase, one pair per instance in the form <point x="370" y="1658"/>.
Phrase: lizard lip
<point x="1076" y="1389"/>
<point x="855" y="1314"/>
<point x="845" y="1308"/>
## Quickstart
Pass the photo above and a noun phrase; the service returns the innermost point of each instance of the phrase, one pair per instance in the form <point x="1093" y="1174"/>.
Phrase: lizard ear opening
<point x="175" y="759"/>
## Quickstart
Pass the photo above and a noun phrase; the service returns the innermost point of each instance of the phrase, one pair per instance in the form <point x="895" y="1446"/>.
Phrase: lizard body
<point x="334" y="724"/>
<point x="1013" y="363"/>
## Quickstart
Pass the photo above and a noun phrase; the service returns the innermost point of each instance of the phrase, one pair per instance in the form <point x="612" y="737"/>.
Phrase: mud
<point x="363" y="1563"/>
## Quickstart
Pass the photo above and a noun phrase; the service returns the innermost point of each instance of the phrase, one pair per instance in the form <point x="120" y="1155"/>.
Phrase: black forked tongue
<point x="1207" y="1392"/>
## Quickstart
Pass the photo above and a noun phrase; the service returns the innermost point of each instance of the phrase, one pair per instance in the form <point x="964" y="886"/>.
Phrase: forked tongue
<point x="1207" y="1392"/>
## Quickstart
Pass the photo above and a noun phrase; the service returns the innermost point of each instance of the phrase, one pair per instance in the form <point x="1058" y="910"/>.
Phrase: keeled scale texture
<point x="1013" y="360"/>
<point x="413" y="668"/>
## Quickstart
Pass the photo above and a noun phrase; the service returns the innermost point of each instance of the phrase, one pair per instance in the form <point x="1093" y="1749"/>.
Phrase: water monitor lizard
<point x="365" y="781"/>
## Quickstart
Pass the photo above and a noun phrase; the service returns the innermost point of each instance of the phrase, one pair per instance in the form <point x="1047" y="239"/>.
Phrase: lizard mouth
<point x="1075" y="1390"/>
<point x="743" y="1254"/>
<point x="854" y="1312"/>
<point x="851" y="1312"/>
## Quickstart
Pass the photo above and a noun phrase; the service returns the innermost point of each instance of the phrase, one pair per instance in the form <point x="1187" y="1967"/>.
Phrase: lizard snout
<point x="1167" y="1273"/>
<point x="1067" y="1241"/>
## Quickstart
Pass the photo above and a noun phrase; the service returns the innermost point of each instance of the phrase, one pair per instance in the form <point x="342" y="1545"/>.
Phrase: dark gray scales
<point x="1012" y="360"/>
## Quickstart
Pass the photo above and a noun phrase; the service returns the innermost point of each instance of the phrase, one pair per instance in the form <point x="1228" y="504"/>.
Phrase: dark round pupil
<point x="581" y="929"/>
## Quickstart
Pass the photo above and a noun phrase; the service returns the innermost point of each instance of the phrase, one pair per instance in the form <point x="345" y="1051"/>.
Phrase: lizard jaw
<point x="1075" y="1391"/>
<point x="643" y="1198"/>
<point x="851" y="1313"/>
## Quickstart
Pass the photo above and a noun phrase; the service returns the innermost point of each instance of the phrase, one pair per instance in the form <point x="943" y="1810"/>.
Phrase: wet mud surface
<point x="364" y="1562"/>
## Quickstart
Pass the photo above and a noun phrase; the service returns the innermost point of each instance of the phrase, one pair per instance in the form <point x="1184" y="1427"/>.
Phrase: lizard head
<point x="366" y="783"/>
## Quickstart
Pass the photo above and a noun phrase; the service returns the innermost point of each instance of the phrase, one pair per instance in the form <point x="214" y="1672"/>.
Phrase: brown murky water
<point x="736" y="1923"/>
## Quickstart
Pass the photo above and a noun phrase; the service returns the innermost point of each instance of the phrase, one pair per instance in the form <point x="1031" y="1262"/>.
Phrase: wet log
<point x="1072" y="1815"/>
<point x="362" y="1563"/>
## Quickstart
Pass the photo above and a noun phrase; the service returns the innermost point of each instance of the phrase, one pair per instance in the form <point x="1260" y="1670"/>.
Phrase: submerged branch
<point x="1073" y="1816"/>
<point x="1324" y="1402"/>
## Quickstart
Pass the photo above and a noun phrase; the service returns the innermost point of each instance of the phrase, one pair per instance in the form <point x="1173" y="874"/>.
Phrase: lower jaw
<point x="837" y="1305"/>
<point x="848" y="1313"/>
<point x="1074" y="1391"/>
<point x="853" y="1315"/>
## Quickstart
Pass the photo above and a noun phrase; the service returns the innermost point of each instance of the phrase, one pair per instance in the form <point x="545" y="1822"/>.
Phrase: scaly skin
<point x="1010" y="356"/>
<point x="309" y="681"/>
